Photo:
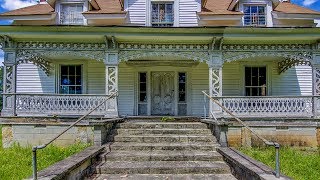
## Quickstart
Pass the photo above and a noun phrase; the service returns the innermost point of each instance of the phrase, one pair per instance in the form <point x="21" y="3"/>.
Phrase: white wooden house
<point x="260" y="58"/>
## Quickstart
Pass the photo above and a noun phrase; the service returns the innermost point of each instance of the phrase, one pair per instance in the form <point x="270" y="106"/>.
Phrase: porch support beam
<point x="215" y="83"/>
<point x="9" y="83"/>
<point x="111" y="63"/>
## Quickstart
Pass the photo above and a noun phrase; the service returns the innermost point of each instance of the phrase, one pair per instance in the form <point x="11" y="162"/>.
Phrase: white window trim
<point x="59" y="4"/>
<point x="265" y="11"/>
<point x="84" y="75"/>
<point x="268" y="6"/>
<point x="175" y="11"/>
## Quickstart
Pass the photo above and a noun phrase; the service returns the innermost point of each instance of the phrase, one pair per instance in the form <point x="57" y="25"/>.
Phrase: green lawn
<point x="16" y="162"/>
<point x="295" y="163"/>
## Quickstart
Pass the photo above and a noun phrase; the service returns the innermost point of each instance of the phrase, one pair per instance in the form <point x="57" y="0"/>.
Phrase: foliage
<point x="16" y="162"/>
<point x="167" y="119"/>
<point x="295" y="163"/>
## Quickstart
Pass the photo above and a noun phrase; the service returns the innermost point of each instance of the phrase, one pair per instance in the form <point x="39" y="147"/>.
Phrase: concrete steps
<point x="162" y="150"/>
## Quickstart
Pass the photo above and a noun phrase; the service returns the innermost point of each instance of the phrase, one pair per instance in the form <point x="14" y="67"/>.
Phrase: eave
<point x="208" y="17"/>
<point x="294" y="16"/>
<point x="91" y="16"/>
<point x="92" y="2"/>
<point x="30" y="17"/>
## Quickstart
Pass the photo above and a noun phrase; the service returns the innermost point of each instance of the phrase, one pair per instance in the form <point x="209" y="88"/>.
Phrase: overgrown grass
<point x="16" y="162"/>
<point x="299" y="164"/>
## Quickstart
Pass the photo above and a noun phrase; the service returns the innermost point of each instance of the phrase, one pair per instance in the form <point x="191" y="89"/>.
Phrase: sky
<point x="7" y="5"/>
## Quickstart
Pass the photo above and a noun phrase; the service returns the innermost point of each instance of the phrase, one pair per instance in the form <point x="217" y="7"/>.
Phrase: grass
<point x="16" y="162"/>
<point x="300" y="164"/>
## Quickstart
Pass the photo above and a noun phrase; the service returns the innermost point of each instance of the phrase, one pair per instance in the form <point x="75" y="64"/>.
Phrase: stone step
<point x="163" y="138"/>
<point x="163" y="167"/>
<point x="163" y="146"/>
<point x="161" y="131"/>
<point x="161" y="155"/>
<point x="164" y="177"/>
<point x="157" y="125"/>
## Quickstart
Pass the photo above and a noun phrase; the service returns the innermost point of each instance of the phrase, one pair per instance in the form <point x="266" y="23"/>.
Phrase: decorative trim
<point x="164" y="47"/>
<point x="36" y="59"/>
<point x="193" y="55"/>
<point x="316" y="76"/>
<point x="266" y="47"/>
<point x="62" y="46"/>
<point x="215" y="88"/>
<point x="289" y="63"/>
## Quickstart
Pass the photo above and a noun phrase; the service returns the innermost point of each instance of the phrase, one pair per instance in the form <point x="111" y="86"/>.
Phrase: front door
<point x="162" y="93"/>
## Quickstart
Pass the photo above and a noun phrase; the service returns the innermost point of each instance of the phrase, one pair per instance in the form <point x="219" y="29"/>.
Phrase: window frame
<point x="255" y="5"/>
<point x="59" y="4"/>
<point x="267" y="86"/>
<point x="166" y="24"/>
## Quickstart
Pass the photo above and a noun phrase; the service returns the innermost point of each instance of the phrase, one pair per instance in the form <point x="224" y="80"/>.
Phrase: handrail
<point x="35" y="148"/>
<point x="269" y="143"/>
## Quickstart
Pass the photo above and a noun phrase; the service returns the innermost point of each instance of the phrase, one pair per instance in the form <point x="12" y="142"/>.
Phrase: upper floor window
<point x="71" y="14"/>
<point x="162" y="14"/>
<point x="254" y="15"/>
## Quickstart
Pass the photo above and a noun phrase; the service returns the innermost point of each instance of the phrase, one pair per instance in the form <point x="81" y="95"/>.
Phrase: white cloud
<point x="16" y="4"/>
<point x="308" y="2"/>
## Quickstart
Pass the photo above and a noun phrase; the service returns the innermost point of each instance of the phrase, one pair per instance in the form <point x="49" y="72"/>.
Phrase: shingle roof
<point x="218" y="7"/>
<point x="38" y="9"/>
<point x="107" y="7"/>
<point x="286" y="7"/>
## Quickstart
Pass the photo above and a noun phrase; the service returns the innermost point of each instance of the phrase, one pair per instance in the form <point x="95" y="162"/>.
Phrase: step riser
<point x="159" y="126"/>
<point x="170" y="148"/>
<point x="163" y="158"/>
<point x="163" y="139"/>
<point x="161" y="131"/>
<point x="163" y="170"/>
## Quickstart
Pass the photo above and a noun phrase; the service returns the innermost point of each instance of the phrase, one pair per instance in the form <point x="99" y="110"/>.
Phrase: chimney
<point x="42" y="2"/>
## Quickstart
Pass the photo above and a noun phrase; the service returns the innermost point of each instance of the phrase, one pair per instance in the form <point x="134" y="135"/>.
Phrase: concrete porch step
<point x="164" y="138"/>
<point x="158" y="125"/>
<point x="161" y="131"/>
<point x="164" y="146"/>
<point x="162" y="155"/>
<point x="163" y="167"/>
<point x="164" y="177"/>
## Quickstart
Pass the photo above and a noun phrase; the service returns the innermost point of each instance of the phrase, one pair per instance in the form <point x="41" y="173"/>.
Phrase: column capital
<point x="111" y="59"/>
<point x="9" y="58"/>
<point x="216" y="60"/>
<point x="316" y="59"/>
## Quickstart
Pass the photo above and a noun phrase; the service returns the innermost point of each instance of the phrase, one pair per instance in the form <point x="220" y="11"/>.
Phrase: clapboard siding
<point x="231" y="79"/>
<point x="126" y="90"/>
<point x="96" y="77"/>
<point x="31" y="79"/>
<point x="137" y="12"/>
<point x="188" y="12"/>
<point x="295" y="81"/>
<point x="199" y="83"/>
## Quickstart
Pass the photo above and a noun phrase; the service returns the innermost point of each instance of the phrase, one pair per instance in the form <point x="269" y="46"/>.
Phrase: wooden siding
<point x="96" y="77"/>
<point x="31" y="79"/>
<point x="137" y="12"/>
<point x="199" y="82"/>
<point x="126" y="99"/>
<point x="188" y="12"/>
<point x="231" y="79"/>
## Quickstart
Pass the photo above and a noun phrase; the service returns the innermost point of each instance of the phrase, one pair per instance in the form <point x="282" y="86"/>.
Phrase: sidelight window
<point x="142" y="102"/>
<point x="182" y="98"/>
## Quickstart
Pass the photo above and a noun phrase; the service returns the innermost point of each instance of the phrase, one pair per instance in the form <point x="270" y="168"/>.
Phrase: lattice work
<point x="112" y="79"/>
<point x="289" y="63"/>
<point x="215" y="82"/>
<point x="9" y="86"/>
<point x="60" y="105"/>
<point x="31" y="57"/>
<point x="269" y="107"/>
<point x="316" y="81"/>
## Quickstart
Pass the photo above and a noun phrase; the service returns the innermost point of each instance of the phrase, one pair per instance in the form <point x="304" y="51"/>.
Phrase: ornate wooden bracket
<point x="289" y="63"/>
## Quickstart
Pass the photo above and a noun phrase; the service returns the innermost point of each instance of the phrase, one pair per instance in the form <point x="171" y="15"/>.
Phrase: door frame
<point x="176" y="70"/>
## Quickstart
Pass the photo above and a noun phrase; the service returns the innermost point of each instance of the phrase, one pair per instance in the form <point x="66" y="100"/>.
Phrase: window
<point x="256" y="81"/>
<point x="182" y="98"/>
<point x="71" y="14"/>
<point x="142" y="102"/>
<point x="71" y="79"/>
<point x="162" y="14"/>
<point x="254" y="15"/>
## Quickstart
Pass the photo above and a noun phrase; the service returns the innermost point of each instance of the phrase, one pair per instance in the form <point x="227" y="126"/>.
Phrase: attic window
<point x="254" y="15"/>
<point x="162" y="14"/>
<point x="71" y="14"/>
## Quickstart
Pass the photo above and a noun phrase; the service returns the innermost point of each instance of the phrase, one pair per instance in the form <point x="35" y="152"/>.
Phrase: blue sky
<point x="6" y="5"/>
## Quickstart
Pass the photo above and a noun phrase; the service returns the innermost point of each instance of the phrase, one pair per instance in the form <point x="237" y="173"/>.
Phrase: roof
<point x="218" y="7"/>
<point x="38" y="9"/>
<point x="107" y="7"/>
<point x="287" y="7"/>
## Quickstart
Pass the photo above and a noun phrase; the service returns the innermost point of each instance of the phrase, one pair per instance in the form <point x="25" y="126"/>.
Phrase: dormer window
<point x="162" y="14"/>
<point x="71" y="14"/>
<point x="254" y="15"/>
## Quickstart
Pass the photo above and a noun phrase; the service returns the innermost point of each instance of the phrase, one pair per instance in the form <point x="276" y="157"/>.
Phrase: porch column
<point x="111" y="63"/>
<point x="316" y="84"/>
<point x="215" y="84"/>
<point x="9" y="83"/>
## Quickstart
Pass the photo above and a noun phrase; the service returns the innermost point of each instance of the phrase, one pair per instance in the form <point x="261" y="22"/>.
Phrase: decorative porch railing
<point x="60" y="104"/>
<point x="269" y="106"/>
